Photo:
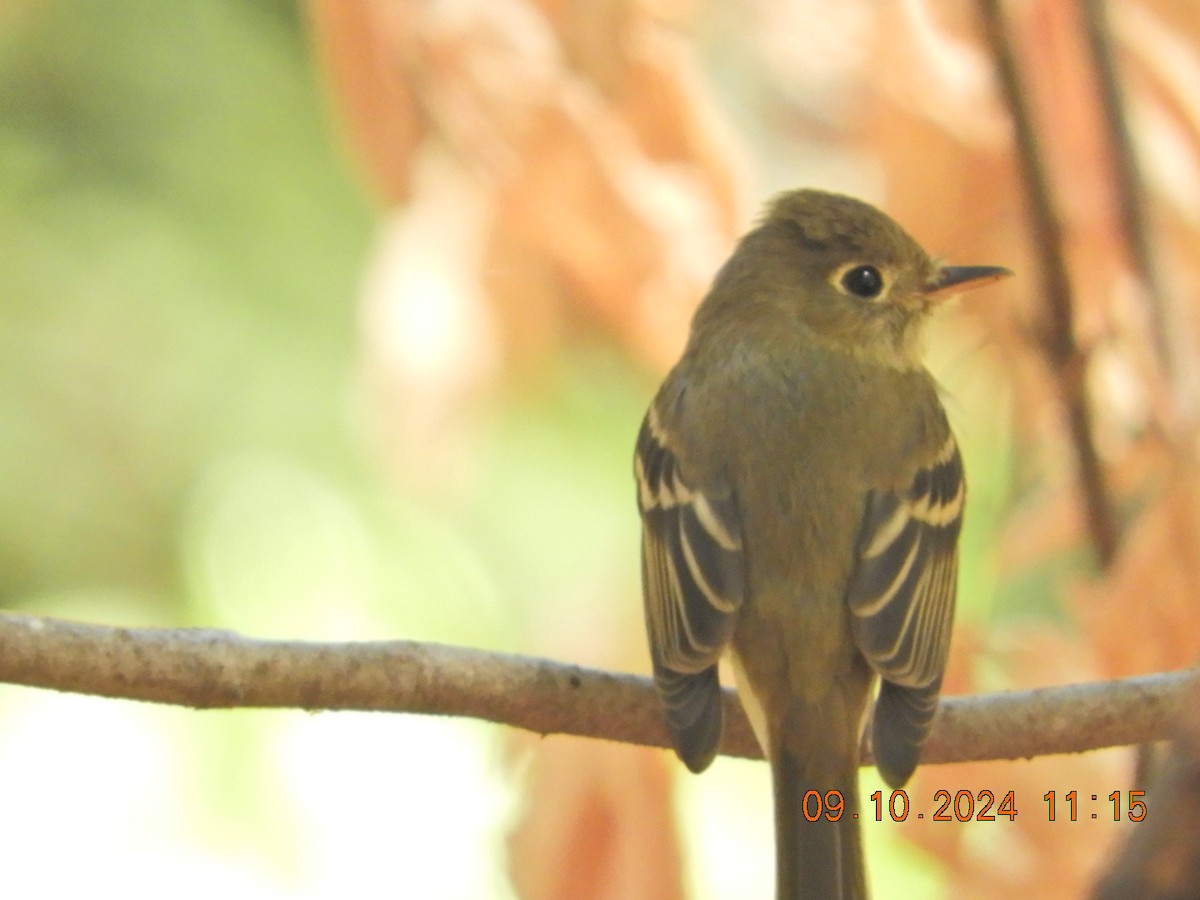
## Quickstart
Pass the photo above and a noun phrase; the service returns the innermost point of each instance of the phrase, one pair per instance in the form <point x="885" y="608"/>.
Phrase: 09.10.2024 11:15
<point x="968" y="806"/>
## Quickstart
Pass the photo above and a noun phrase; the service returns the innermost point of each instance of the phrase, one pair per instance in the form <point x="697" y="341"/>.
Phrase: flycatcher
<point x="801" y="497"/>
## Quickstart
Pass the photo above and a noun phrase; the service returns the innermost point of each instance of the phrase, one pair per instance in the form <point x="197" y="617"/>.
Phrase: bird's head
<point x="846" y="271"/>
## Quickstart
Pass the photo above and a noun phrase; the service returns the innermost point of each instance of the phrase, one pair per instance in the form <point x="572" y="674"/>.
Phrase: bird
<point x="801" y="495"/>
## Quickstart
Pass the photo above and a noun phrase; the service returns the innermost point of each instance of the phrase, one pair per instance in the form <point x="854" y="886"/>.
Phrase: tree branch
<point x="1161" y="857"/>
<point x="209" y="669"/>
<point x="1127" y="179"/>
<point x="1058" y="343"/>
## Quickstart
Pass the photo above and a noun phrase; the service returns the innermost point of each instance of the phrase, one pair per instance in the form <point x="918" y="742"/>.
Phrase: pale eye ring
<point x="863" y="281"/>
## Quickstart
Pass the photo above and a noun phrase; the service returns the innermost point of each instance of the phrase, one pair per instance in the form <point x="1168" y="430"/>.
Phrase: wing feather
<point x="693" y="576"/>
<point x="901" y="598"/>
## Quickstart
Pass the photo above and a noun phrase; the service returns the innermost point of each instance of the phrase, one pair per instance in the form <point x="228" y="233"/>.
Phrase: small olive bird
<point x="801" y="496"/>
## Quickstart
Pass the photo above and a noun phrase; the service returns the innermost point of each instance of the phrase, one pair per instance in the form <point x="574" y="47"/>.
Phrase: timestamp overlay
<point x="979" y="806"/>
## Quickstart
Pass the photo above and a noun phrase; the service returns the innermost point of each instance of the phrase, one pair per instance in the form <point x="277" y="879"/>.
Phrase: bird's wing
<point x="693" y="582"/>
<point x="901" y="598"/>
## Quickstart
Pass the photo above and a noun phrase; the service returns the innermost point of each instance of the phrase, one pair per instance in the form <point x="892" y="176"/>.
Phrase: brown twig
<point x="1161" y="857"/>
<point x="1127" y="178"/>
<point x="1058" y="340"/>
<point x="218" y="669"/>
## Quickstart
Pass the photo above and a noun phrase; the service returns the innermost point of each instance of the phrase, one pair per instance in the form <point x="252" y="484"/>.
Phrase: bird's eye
<point x="863" y="281"/>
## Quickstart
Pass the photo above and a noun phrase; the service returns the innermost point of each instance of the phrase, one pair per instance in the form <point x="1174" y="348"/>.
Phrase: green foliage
<point x="181" y="251"/>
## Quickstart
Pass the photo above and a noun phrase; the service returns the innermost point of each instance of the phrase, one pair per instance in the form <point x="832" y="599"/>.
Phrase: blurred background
<point x="337" y="320"/>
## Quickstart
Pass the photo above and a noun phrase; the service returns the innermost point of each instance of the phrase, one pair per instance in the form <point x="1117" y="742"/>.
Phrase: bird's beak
<point x="951" y="280"/>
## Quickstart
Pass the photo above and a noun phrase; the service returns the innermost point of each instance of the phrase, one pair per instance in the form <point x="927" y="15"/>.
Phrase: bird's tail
<point x="818" y="848"/>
